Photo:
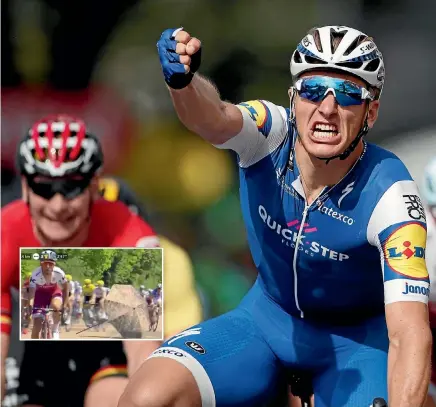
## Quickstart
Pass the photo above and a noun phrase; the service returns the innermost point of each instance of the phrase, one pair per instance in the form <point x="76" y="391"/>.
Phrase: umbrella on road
<point x="127" y="311"/>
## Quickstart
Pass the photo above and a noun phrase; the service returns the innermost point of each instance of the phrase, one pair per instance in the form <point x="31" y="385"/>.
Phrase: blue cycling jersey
<point x="367" y="229"/>
<point x="326" y="269"/>
<point x="156" y="293"/>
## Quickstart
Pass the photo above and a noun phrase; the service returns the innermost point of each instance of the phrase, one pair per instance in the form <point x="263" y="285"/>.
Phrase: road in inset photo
<point x="105" y="331"/>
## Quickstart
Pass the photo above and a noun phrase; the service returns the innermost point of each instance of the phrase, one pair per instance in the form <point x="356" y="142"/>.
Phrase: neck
<point x="76" y="240"/>
<point x="317" y="174"/>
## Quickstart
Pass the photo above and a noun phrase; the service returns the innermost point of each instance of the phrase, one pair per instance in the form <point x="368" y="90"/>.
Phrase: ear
<point x="94" y="188"/>
<point x="373" y="109"/>
<point x="24" y="190"/>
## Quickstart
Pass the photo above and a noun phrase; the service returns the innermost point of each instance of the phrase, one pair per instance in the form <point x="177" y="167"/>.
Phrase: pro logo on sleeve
<point x="196" y="346"/>
<point x="405" y="250"/>
<point x="415" y="209"/>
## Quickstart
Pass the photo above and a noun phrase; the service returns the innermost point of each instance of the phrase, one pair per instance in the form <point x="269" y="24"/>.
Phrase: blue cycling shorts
<point x="238" y="358"/>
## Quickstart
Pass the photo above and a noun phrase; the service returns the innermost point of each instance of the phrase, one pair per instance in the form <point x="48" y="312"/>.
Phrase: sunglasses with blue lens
<point x="346" y="93"/>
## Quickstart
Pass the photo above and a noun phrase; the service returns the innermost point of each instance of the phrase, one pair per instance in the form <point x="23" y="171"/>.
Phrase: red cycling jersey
<point x="112" y="225"/>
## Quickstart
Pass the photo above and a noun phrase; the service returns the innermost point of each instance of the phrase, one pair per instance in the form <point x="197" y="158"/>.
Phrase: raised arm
<point x="253" y="129"/>
<point x="196" y="100"/>
<point x="202" y="111"/>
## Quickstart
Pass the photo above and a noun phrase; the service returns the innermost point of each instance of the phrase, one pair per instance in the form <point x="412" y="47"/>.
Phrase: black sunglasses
<point x="68" y="188"/>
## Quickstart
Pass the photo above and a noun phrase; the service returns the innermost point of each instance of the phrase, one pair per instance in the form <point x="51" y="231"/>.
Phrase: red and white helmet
<point x="57" y="146"/>
<point x="356" y="54"/>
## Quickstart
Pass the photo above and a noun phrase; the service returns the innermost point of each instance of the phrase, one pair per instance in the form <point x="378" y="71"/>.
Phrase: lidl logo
<point x="405" y="250"/>
<point x="260" y="114"/>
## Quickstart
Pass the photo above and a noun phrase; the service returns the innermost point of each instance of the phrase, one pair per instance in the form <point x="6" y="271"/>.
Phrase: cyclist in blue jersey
<point x="336" y="229"/>
<point x="157" y="292"/>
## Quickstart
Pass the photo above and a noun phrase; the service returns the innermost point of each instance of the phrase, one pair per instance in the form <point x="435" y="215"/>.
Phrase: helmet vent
<point x="355" y="44"/>
<point x="297" y="57"/>
<point x="315" y="34"/>
<point x="351" y="65"/>
<point x="373" y="65"/>
<point x="336" y="38"/>
<point x="312" y="60"/>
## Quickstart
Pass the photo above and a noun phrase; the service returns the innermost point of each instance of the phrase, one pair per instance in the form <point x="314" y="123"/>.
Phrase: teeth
<point x="324" y="134"/>
<point x="326" y="127"/>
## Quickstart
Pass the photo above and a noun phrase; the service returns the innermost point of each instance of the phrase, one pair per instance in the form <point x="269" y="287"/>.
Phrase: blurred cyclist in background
<point x="100" y="295"/>
<point x="88" y="290"/>
<point x="77" y="299"/>
<point x="157" y="292"/>
<point x="71" y="290"/>
<point x="142" y="291"/>
<point x="336" y="229"/>
<point x="156" y="295"/>
<point x="88" y="301"/>
<point x="183" y="309"/>
<point x="60" y="161"/>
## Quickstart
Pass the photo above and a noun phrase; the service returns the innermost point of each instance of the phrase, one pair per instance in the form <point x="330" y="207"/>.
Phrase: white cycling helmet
<point x="429" y="184"/>
<point x="356" y="54"/>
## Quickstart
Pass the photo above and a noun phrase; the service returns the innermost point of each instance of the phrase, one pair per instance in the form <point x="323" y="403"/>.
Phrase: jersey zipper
<point x="294" y="262"/>
<point x="297" y="244"/>
<point x="316" y="201"/>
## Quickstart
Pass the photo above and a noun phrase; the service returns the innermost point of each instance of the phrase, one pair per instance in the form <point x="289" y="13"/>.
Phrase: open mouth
<point x="325" y="132"/>
<point x="322" y="130"/>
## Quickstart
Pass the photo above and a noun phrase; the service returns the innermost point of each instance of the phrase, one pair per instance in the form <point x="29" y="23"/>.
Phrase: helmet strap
<point x="363" y="131"/>
<point x="345" y="154"/>
<point x="292" y="93"/>
<point x="292" y="124"/>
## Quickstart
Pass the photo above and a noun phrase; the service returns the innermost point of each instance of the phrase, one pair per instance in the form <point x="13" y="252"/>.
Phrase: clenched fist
<point x="180" y="57"/>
